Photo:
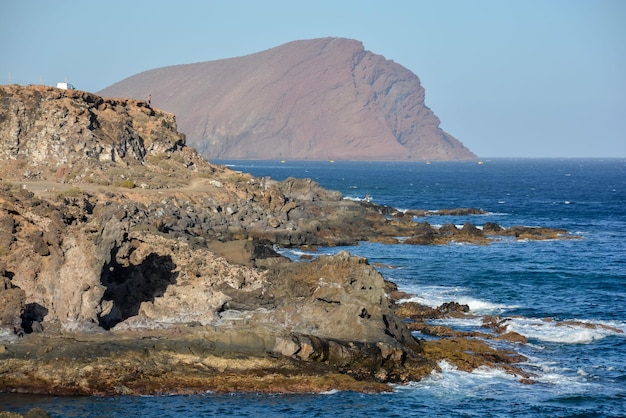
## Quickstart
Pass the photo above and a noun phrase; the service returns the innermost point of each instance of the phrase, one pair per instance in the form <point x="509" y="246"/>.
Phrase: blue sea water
<point x="579" y="366"/>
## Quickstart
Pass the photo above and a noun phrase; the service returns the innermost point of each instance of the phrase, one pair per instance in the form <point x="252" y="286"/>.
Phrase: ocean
<point x="568" y="297"/>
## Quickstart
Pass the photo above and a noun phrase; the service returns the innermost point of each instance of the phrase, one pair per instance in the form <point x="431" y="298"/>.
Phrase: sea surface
<point x="579" y="366"/>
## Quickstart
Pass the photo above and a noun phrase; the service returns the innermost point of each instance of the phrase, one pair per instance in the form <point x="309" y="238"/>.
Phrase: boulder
<point x="12" y="302"/>
<point x="453" y="309"/>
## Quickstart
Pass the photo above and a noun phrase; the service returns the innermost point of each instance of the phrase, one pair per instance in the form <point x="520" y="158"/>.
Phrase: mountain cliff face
<point x="316" y="99"/>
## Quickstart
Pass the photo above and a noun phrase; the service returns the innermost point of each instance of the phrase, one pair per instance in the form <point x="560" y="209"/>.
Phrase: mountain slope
<point x="315" y="99"/>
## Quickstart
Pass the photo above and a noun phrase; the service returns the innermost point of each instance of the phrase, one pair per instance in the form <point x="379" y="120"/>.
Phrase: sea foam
<point x="435" y="296"/>
<point x="448" y="381"/>
<point x="569" y="332"/>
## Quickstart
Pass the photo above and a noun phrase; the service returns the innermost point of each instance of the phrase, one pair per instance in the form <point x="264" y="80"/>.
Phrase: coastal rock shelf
<point x="130" y="265"/>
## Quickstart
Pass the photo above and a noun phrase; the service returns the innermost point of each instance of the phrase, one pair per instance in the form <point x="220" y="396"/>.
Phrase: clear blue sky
<point x="509" y="78"/>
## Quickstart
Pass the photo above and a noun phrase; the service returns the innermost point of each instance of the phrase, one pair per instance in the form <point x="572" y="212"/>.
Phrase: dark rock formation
<point x="11" y="304"/>
<point x="54" y="131"/>
<point x="316" y="99"/>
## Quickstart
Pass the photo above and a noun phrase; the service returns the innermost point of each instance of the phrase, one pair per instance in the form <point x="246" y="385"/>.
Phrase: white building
<point x="65" y="86"/>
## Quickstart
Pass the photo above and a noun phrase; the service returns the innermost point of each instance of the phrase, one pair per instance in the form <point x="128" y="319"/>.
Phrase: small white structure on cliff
<point x="65" y="86"/>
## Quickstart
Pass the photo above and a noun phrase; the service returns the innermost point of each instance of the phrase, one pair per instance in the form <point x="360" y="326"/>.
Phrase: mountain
<point x="313" y="99"/>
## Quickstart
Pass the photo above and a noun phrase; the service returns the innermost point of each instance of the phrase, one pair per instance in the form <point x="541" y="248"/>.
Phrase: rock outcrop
<point x="129" y="264"/>
<point x="316" y="99"/>
<point x="63" y="130"/>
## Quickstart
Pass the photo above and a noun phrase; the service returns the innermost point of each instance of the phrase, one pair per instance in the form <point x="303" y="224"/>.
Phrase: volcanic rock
<point x="11" y="305"/>
<point x="134" y="266"/>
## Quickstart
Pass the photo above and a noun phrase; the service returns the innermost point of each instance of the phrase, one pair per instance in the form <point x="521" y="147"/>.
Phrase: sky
<point x="508" y="78"/>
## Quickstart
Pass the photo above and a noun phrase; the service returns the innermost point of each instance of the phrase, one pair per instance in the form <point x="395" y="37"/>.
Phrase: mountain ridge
<point x="326" y="98"/>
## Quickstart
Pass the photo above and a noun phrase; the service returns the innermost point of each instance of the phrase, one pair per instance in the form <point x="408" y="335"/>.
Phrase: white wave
<point x="358" y="199"/>
<point x="563" y="379"/>
<point x="435" y="296"/>
<point x="458" y="226"/>
<point x="460" y="244"/>
<point x="569" y="332"/>
<point x="299" y="253"/>
<point x="329" y="392"/>
<point x="465" y="322"/>
<point x="296" y="254"/>
<point x="481" y="372"/>
<point x="449" y="380"/>
<point x="483" y="306"/>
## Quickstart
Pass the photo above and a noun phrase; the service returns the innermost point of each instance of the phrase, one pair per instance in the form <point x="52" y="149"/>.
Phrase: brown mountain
<point x="315" y="99"/>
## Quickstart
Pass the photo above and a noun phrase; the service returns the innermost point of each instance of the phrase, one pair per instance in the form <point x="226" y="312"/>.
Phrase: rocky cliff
<point x="52" y="127"/>
<point x="316" y="99"/>
<point x="129" y="264"/>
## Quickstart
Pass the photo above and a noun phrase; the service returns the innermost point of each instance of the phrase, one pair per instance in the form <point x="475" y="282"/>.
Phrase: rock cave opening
<point x="33" y="317"/>
<point x="129" y="285"/>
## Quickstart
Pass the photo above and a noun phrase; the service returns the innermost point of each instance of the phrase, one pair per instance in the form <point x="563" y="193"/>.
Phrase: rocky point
<point x="131" y="265"/>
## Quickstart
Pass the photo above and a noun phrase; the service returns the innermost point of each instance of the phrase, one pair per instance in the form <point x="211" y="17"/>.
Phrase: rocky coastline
<point x="130" y="265"/>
